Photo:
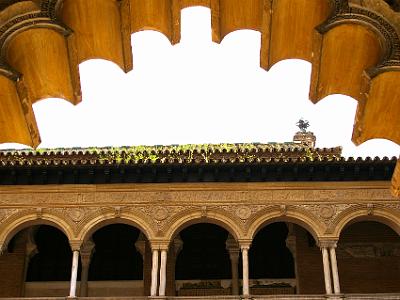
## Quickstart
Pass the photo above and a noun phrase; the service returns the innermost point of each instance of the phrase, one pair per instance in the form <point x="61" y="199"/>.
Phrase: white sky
<point x="198" y="92"/>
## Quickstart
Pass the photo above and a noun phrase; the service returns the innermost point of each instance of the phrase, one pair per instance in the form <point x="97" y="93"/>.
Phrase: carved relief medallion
<point x="160" y="213"/>
<point x="327" y="211"/>
<point x="243" y="212"/>
<point x="76" y="214"/>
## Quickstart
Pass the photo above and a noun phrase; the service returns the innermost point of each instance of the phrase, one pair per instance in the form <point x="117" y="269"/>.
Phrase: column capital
<point x="75" y="245"/>
<point x="87" y="247"/>
<point x="231" y="243"/>
<point x="140" y="244"/>
<point x="178" y="245"/>
<point x="159" y="244"/>
<point x="328" y="243"/>
<point x="86" y="252"/>
<point x="244" y="244"/>
<point x="2" y="246"/>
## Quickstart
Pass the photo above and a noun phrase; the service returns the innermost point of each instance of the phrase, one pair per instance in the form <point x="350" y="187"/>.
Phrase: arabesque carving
<point x="325" y="215"/>
<point x="368" y="250"/>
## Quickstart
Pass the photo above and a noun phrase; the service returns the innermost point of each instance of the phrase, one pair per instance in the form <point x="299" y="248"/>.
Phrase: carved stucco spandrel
<point x="62" y="213"/>
<point x="77" y="216"/>
<point x="97" y="217"/>
<point x="262" y="210"/>
<point x="325" y="213"/>
<point x="13" y="214"/>
<point x="20" y="218"/>
<point x="144" y="216"/>
<point x="162" y="215"/>
<point x="243" y="213"/>
<point x="182" y="216"/>
<point x="387" y="213"/>
<point x="7" y="212"/>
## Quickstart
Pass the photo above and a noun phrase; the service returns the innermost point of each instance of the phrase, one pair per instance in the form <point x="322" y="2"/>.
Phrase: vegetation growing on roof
<point x="189" y="153"/>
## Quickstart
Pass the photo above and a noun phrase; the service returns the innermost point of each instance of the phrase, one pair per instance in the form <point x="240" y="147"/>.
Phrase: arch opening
<point x="110" y="219"/>
<point x="115" y="253"/>
<point x="296" y="219"/>
<point x="368" y="258"/>
<point x="114" y="259"/>
<point x="281" y="258"/>
<point x="31" y="220"/>
<point x="36" y="263"/>
<point x="200" y="259"/>
<point x="269" y="256"/>
<point x="53" y="259"/>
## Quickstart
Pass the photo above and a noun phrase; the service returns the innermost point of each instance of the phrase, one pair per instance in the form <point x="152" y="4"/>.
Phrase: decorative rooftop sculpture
<point x="303" y="125"/>
<point x="304" y="137"/>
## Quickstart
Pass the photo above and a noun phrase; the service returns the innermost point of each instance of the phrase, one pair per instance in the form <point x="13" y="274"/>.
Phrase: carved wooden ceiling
<point x="353" y="46"/>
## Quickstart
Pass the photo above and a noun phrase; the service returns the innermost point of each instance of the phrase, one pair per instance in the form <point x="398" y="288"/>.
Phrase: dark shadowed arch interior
<point x="368" y="255"/>
<point x="204" y="254"/>
<point x="268" y="256"/>
<point x="115" y="256"/>
<point x="54" y="257"/>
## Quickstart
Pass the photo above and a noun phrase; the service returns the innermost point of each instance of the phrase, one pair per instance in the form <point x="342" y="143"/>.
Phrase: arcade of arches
<point x="188" y="247"/>
<point x="211" y="221"/>
<point x="203" y="260"/>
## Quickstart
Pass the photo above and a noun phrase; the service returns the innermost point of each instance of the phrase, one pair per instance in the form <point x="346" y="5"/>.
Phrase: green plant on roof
<point x="41" y="151"/>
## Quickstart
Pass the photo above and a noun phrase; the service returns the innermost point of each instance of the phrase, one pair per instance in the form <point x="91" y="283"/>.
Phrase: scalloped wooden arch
<point x="289" y="29"/>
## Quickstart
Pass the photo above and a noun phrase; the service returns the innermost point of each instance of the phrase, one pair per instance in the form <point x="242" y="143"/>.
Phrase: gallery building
<point x="198" y="220"/>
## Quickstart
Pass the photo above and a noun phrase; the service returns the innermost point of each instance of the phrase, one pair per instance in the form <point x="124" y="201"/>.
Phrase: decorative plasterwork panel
<point x="157" y="208"/>
<point x="368" y="250"/>
<point x="326" y="213"/>
<point x="195" y="196"/>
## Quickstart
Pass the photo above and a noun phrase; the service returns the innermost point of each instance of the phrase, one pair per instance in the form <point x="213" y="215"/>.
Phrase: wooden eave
<point x="353" y="46"/>
<point x="198" y="163"/>
<point x="272" y="171"/>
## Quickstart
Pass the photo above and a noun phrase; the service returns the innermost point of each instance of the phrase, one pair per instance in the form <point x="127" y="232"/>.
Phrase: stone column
<point x="292" y="246"/>
<point x="327" y="270"/>
<point x="233" y="248"/>
<point x="245" y="257"/>
<point x="174" y="250"/>
<point x="75" y="246"/>
<point x="140" y="246"/>
<point x="30" y="251"/>
<point x="86" y="256"/>
<point x="154" y="274"/>
<point x="335" y="273"/>
<point x="163" y="272"/>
